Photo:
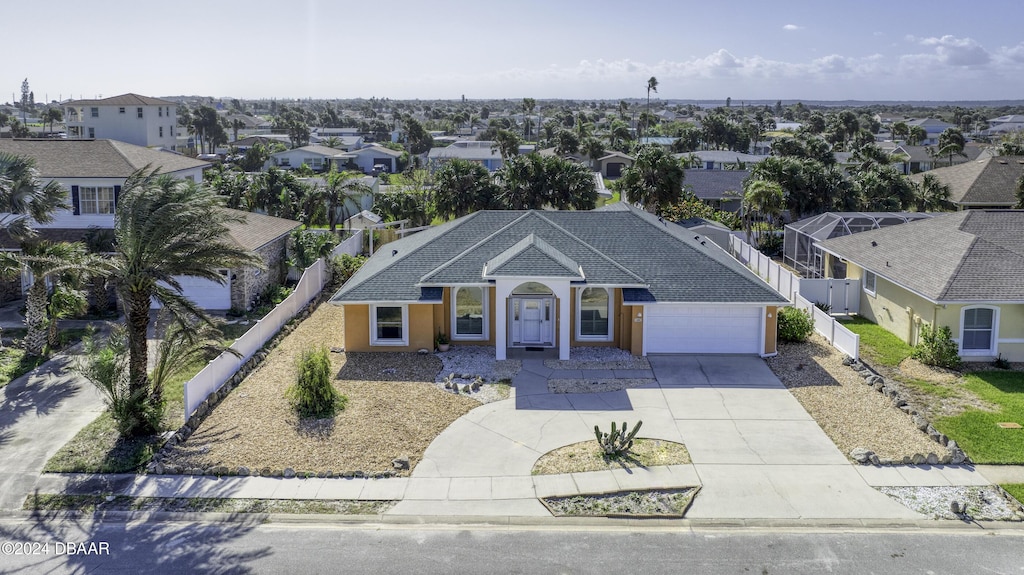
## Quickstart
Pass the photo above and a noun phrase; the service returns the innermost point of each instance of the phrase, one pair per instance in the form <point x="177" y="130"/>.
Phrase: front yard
<point x="965" y="405"/>
<point x="394" y="410"/>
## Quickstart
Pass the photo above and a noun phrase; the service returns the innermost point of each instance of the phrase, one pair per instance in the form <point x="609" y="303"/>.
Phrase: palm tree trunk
<point x="35" y="317"/>
<point x="138" y="345"/>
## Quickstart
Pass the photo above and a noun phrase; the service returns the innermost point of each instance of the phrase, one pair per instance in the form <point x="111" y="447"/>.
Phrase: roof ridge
<point x="591" y="248"/>
<point x="532" y="242"/>
<point x="466" y="251"/>
<point x="351" y="285"/>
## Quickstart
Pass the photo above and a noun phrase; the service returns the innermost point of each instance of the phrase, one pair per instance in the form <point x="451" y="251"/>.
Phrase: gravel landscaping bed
<point x="588" y="456"/>
<point x="394" y="411"/>
<point x="657" y="503"/>
<point x="596" y="385"/>
<point x="974" y="503"/>
<point x="464" y="365"/>
<point x="598" y="358"/>
<point x="851" y="413"/>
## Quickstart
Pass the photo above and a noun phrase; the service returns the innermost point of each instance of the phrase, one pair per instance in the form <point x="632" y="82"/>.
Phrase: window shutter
<point x="74" y="201"/>
<point x="117" y="194"/>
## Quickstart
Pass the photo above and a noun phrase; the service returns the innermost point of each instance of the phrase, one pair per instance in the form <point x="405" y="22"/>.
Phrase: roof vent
<point x="696" y="237"/>
<point x="394" y="253"/>
<point x="874" y="244"/>
<point x="702" y="242"/>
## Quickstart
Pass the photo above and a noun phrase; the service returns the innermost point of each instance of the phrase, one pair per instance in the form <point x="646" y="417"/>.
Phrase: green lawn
<point x="604" y="202"/>
<point x="1015" y="489"/>
<point x="879" y="345"/>
<point x="99" y="449"/>
<point x="976" y="431"/>
<point x="14" y="362"/>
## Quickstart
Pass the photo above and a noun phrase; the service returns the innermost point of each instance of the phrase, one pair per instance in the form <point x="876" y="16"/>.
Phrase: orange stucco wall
<point x="421" y="329"/>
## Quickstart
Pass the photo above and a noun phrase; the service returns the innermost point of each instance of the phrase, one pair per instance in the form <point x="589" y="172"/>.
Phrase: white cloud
<point x="792" y="27"/>
<point x="954" y="51"/>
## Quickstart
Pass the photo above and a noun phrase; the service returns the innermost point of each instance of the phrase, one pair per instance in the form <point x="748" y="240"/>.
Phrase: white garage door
<point x="205" y="293"/>
<point x="702" y="329"/>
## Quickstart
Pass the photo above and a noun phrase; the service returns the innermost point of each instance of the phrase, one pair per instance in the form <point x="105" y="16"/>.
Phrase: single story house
<point x="723" y="159"/>
<point x="990" y="182"/>
<point x="964" y="270"/>
<point x="318" y="158"/>
<point x="482" y="152"/>
<point x="612" y="164"/>
<point x="616" y="276"/>
<point x="721" y="189"/>
<point x="712" y="230"/>
<point x="374" y="158"/>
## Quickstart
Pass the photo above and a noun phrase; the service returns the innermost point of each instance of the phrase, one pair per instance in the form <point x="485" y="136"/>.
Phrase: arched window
<point x="531" y="288"/>
<point x="593" y="314"/>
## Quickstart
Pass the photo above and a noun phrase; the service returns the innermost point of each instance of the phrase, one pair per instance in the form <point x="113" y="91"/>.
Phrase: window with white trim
<point x="92" y="132"/>
<point x="161" y="131"/>
<point x="977" y="329"/>
<point x="593" y="314"/>
<point x="139" y="112"/>
<point x="94" y="112"/>
<point x="869" y="279"/>
<point x="120" y="110"/>
<point x="96" y="200"/>
<point x="389" y="325"/>
<point x="469" y="313"/>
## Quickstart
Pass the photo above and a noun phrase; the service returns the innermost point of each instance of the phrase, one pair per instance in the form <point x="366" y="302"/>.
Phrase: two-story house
<point x="139" y="120"/>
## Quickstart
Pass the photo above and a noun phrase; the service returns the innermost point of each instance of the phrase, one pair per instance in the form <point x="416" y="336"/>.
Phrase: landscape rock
<point x="861" y="455"/>
<point x="288" y="473"/>
<point x="918" y="459"/>
<point x="243" y="471"/>
<point x="400" y="463"/>
<point x="920" y="422"/>
<point x="932" y="459"/>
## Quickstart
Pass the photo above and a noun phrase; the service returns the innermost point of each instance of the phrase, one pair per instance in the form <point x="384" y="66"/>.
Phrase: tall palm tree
<point x="932" y="194"/>
<point x="339" y="187"/>
<point x="528" y="105"/>
<point x="167" y="228"/>
<point x="652" y="84"/>
<point x="24" y="199"/>
<point x="63" y="265"/>
<point x="761" y="199"/>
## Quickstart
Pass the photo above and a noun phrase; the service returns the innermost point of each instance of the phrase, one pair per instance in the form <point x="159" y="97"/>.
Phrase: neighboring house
<point x="318" y="158"/>
<point x="265" y="235"/>
<point x="94" y="172"/>
<point x="375" y="158"/>
<point x="909" y="159"/>
<point x="345" y="143"/>
<point x="364" y="220"/>
<point x="139" y="120"/>
<point x="932" y="127"/>
<point x="613" y="277"/>
<point x="354" y="202"/>
<point x="963" y="270"/>
<point x="242" y="145"/>
<point x="800" y="252"/>
<point x="714" y="231"/>
<point x="1004" y="125"/>
<point x="612" y="164"/>
<point x="663" y="141"/>
<point x="721" y="189"/>
<point x="990" y="182"/>
<point x="724" y="159"/>
<point x="481" y="152"/>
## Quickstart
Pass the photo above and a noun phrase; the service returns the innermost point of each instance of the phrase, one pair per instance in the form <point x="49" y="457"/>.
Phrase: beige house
<point x="963" y="270"/>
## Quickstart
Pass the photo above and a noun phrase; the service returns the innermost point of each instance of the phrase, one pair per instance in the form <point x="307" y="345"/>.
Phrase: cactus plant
<point x="618" y="442"/>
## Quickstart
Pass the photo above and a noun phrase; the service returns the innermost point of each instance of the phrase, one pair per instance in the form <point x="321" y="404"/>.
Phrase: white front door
<point x="532" y="320"/>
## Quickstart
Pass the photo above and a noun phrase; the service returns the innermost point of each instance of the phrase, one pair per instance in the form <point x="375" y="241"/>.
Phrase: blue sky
<point x="811" y="50"/>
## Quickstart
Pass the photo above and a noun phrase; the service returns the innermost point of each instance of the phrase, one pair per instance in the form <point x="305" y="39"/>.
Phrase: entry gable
<point x="534" y="257"/>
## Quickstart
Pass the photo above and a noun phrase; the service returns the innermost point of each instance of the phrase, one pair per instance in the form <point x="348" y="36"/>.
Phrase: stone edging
<point x="890" y="389"/>
<point x="158" y="466"/>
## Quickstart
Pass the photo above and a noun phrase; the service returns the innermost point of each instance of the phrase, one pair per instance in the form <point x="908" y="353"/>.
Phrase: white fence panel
<point x="842" y="295"/>
<point x="815" y="289"/>
<point x="227" y="364"/>
<point x="824" y="324"/>
<point x="351" y="246"/>
<point x="846" y="341"/>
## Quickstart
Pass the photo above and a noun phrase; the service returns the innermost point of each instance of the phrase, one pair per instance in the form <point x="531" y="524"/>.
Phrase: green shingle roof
<point x="618" y="245"/>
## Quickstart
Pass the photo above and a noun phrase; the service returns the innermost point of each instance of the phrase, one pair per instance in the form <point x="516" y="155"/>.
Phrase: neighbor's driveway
<point x="755" y="450"/>
<point x="39" y="413"/>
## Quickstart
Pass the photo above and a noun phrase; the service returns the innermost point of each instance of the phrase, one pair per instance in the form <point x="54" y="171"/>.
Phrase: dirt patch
<point x="394" y="410"/>
<point x="912" y="368"/>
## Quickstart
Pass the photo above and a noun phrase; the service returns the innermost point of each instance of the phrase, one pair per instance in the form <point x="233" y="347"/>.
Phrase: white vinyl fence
<point x="352" y="245"/>
<point x="842" y="295"/>
<point x="792" y="288"/>
<point x="227" y="364"/>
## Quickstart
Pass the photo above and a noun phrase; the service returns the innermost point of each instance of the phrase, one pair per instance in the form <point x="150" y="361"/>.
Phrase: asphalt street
<point x="238" y="547"/>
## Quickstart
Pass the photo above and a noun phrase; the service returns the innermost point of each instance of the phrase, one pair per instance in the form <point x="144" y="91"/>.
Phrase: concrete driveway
<point x="39" y="413"/>
<point x="755" y="450"/>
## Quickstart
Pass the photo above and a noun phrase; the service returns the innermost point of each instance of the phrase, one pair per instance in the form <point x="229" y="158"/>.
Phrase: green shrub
<point x="937" y="348"/>
<point x="313" y="395"/>
<point x="795" y="324"/>
<point x="106" y="366"/>
<point x="345" y="266"/>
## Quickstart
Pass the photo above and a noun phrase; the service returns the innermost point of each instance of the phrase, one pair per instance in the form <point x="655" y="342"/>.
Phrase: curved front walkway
<point x="755" y="450"/>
